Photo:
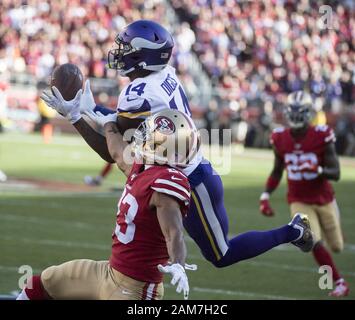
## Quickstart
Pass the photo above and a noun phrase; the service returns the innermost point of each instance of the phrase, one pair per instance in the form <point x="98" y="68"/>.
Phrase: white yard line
<point x="103" y="247"/>
<point x="38" y="140"/>
<point x="68" y="140"/>
<point x="66" y="194"/>
<point x="58" y="243"/>
<point x="247" y="294"/>
<point x="241" y="293"/>
<point x="349" y="247"/>
<point x="48" y="222"/>
<point x="15" y="269"/>
<point x="277" y="266"/>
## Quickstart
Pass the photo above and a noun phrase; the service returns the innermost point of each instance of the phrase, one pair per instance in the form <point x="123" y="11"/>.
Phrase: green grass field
<point x="41" y="227"/>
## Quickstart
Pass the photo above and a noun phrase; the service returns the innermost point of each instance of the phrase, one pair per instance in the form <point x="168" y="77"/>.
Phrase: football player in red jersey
<point x="148" y="237"/>
<point x="308" y="155"/>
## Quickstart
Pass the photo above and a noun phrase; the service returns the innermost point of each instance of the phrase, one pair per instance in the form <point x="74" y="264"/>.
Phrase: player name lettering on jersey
<point x="169" y="85"/>
<point x="158" y="91"/>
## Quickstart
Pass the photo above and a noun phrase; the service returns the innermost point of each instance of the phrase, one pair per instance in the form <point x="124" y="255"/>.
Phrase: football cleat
<point x="305" y="241"/>
<point x="341" y="289"/>
<point x="92" y="181"/>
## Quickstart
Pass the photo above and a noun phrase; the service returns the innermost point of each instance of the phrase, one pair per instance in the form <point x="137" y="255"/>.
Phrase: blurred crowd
<point x="255" y="52"/>
<point x="36" y="36"/>
<point x="263" y="49"/>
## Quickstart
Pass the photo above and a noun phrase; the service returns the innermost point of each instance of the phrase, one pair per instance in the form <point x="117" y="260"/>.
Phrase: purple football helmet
<point x="143" y="44"/>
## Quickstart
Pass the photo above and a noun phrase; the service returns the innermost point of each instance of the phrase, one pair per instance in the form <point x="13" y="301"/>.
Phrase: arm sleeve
<point x="275" y="138"/>
<point x="176" y="185"/>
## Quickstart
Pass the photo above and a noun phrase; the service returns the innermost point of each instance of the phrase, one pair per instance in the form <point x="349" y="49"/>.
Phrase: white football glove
<point x="68" y="109"/>
<point x="87" y="102"/>
<point x="101" y="119"/>
<point x="179" y="277"/>
<point x="191" y="267"/>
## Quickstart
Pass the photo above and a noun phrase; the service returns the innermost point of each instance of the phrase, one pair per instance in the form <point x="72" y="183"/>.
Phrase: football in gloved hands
<point x="68" y="79"/>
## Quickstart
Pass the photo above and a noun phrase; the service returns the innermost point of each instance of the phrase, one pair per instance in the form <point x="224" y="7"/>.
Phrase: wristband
<point x="265" y="196"/>
<point x="319" y="170"/>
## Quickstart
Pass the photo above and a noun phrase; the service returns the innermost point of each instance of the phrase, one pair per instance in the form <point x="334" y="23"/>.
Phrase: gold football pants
<point x="325" y="222"/>
<point x="96" y="280"/>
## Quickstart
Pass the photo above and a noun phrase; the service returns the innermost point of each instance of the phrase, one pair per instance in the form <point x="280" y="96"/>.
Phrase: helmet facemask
<point x="298" y="108"/>
<point x="118" y="53"/>
<point x="298" y="116"/>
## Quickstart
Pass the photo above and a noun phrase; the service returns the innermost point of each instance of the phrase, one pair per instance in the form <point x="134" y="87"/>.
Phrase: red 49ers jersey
<point x="138" y="242"/>
<point x="306" y="187"/>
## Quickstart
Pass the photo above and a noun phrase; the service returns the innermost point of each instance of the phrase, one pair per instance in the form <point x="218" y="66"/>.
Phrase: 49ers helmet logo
<point x="164" y="125"/>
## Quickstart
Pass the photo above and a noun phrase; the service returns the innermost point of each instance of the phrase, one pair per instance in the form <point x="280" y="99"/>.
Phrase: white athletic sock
<point x="22" y="296"/>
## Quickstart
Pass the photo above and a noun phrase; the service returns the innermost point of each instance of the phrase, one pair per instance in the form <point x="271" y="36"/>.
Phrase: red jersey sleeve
<point x="275" y="138"/>
<point x="329" y="135"/>
<point x="175" y="184"/>
<point x="324" y="134"/>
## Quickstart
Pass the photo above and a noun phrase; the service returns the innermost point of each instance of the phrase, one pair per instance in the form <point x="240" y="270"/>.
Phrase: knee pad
<point x="48" y="277"/>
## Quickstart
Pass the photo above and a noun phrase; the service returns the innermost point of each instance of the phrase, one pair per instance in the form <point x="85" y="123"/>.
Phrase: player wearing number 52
<point x="308" y="155"/>
<point x="148" y="237"/>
